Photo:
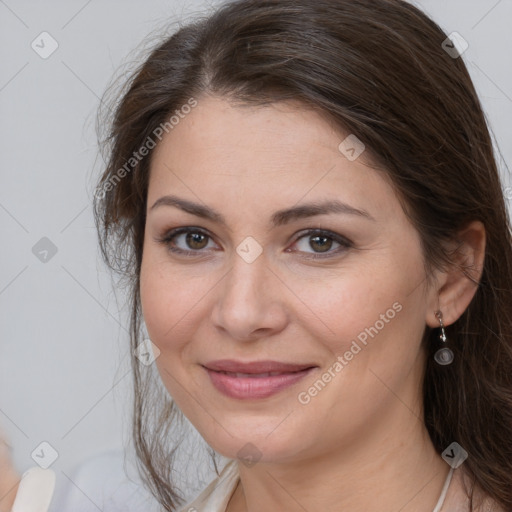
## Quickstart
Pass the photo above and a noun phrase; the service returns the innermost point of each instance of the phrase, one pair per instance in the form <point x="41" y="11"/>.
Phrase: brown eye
<point x="317" y="243"/>
<point x="320" y="243"/>
<point x="196" y="240"/>
<point x="186" y="241"/>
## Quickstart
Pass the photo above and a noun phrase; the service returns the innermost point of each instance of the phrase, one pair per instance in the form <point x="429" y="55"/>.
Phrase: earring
<point x="444" y="355"/>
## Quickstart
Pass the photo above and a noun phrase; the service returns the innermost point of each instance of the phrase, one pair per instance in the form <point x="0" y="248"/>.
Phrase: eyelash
<point x="345" y="244"/>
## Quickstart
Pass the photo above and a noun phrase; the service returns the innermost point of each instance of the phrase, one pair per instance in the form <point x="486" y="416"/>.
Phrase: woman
<point x="304" y="201"/>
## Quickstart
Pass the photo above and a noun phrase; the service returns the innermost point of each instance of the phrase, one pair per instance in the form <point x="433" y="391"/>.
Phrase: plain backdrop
<point x="64" y="373"/>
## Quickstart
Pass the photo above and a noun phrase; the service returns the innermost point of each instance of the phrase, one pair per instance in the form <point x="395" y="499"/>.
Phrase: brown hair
<point x="379" y="70"/>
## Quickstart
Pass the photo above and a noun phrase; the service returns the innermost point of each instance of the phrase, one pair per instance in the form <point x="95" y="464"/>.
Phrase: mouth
<point x="257" y="375"/>
<point x="255" y="380"/>
<point x="255" y="367"/>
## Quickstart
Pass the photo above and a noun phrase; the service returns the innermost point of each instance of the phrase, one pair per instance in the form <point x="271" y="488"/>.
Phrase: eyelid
<point x="323" y="231"/>
<point x="343" y="241"/>
<point x="170" y="234"/>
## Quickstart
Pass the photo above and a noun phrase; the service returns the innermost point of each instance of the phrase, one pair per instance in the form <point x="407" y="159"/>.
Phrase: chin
<point x="261" y="442"/>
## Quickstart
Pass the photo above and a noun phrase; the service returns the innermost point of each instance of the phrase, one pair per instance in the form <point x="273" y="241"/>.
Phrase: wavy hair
<point x="378" y="69"/>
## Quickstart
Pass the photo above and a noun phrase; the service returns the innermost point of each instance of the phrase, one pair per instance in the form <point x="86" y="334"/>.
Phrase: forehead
<point x="252" y="155"/>
<point x="217" y="127"/>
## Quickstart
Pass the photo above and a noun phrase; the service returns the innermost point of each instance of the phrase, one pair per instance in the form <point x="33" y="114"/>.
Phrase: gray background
<point x="64" y="373"/>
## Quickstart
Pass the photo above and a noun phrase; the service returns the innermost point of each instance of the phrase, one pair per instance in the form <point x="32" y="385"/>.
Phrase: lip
<point x="230" y="365"/>
<point x="233" y="378"/>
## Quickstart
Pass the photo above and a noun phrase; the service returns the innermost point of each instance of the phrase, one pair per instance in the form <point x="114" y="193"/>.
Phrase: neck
<point x="393" y="466"/>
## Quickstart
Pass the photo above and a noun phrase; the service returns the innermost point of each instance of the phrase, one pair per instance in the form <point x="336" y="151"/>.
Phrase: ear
<point x="457" y="286"/>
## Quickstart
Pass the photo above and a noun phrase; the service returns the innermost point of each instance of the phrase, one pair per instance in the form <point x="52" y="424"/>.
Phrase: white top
<point x="106" y="481"/>
<point x="35" y="490"/>
<point x="216" y="496"/>
<point x="102" y="484"/>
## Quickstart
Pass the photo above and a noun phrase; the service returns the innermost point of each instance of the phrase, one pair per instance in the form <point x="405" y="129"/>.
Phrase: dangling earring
<point x="444" y="355"/>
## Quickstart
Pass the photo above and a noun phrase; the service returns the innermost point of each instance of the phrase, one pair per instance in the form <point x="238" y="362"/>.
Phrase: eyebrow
<point x="279" y="218"/>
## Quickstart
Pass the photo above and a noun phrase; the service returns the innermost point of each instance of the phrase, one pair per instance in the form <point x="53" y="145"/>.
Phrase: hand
<point x="9" y="477"/>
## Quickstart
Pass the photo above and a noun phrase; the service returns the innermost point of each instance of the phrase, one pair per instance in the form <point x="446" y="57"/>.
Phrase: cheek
<point x="172" y="300"/>
<point x="345" y="306"/>
<point x="168" y="311"/>
<point x="371" y="319"/>
<point x="163" y="299"/>
<point x="378" y="330"/>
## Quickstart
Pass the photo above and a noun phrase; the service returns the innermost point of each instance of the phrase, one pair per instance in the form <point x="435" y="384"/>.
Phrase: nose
<point x="249" y="301"/>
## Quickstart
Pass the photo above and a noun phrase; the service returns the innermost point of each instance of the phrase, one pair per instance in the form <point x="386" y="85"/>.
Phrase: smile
<point x="247" y="386"/>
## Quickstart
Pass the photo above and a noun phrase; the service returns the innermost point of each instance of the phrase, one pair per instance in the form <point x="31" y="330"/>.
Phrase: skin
<point x="364" y="430"/>
<point x="9" y="477"/>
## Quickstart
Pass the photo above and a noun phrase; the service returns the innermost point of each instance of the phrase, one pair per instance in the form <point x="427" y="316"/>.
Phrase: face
<point x="247" y="262"/>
